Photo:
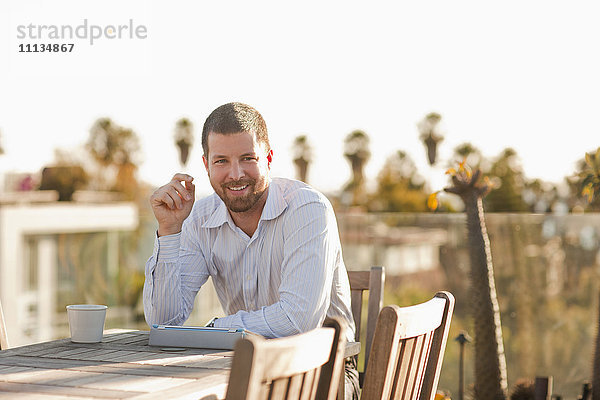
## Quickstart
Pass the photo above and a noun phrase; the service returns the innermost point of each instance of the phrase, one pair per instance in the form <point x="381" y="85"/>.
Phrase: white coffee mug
<point x="86" y="322"/>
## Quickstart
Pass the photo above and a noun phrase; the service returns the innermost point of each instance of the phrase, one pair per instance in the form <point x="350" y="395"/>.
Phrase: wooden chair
<point x="373" y="281"/>
<point x="304" y="366"/>
<point x="3" y="334"/>
<point x="408" y="350"/>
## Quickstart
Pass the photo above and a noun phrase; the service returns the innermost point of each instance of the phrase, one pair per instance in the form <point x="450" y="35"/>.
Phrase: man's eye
<point x="221" y="161"/>
<point x="249" y="158"/>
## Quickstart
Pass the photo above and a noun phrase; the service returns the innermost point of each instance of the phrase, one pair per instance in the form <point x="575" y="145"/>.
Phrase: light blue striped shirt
<point x="283" y="280"/>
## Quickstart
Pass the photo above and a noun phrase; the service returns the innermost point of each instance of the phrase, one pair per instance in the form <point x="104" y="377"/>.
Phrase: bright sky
<point x="511" y="74"/>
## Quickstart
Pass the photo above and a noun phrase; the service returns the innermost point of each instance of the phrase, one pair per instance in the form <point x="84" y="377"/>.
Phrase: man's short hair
<point x="235" y="118"/>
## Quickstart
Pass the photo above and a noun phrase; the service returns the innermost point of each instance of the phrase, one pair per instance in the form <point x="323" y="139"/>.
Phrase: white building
<point x="29" y="223"/>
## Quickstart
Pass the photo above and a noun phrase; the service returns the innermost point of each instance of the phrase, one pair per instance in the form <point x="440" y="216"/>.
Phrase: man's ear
<point x="269" y="158"/>
<point x="205" y="161"/>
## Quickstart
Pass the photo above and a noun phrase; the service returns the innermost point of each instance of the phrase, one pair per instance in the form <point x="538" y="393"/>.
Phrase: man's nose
<point x="236" y="172"/>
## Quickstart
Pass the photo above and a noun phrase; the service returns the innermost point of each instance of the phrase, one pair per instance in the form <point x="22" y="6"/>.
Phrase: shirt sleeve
<point x="174" y="274"/>
<point x="311" y="252"/>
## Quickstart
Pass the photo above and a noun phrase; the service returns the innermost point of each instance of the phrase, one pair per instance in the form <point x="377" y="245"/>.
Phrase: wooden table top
<point x="122" y="366"/>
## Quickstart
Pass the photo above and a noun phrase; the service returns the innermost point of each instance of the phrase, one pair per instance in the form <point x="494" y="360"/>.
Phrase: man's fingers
<point x="168" y="196"/>
<point x="163" y="197"/>
<point x="183" y="192"/>
<point x="174" y="194"/>
<point x="191" y="188"/>
<point x="182" y="177"/>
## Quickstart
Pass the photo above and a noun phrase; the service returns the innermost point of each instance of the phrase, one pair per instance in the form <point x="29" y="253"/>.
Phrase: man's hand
<point x="172" y="203"/>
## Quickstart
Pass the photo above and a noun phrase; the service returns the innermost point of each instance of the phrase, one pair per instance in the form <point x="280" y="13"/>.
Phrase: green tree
<point x="184" y="139"/>
<point x="430" y="135"/>
<point x="117" y="150"/>
<point x="490" y="363"/>
<point x="399" y="186"/>
<point x="584" y="184"/>
<point x="302" y="157"/>
<point x="111" y="144"/>
<point x="356" y="151"/>
<point x="509" y="182"/>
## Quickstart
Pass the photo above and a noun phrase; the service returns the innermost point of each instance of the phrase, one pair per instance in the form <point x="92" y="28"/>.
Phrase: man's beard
<point x="242" y="203"/>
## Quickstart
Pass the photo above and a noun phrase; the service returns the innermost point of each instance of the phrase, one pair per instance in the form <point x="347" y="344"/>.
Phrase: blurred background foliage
<point x="547" y="271"/>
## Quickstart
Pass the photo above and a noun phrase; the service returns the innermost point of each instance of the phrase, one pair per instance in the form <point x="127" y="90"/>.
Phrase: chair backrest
<point x="304" y="366"/>
<point x="373" y="281"/>
<point x="3" y="334"/>
<point x="408" y="350"/>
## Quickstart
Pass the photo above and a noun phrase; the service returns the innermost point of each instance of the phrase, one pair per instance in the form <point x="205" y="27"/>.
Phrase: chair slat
<point x="403" y="371"/>
<point x="419" y="361"/>
<point x="423" y="358"/>
<point x="307" y="385"/>
<point x="295" y="386"/>
<point x="279" y="389"/>
<point x="310" y="385"/>
<point x="376" y="284"/>
<point x="356" y="298"/>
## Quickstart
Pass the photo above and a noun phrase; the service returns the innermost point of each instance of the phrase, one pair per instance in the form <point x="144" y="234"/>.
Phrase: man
<point x="271" y="246"/>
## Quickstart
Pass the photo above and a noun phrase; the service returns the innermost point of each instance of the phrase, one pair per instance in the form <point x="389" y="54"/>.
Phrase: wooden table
<point x="122" y="366"/>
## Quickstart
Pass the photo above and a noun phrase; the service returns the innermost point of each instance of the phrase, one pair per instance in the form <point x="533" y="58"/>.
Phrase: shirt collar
<point x="219" y="216"/>
<point x="274" y="206"/>
<point x="275" y="203"/>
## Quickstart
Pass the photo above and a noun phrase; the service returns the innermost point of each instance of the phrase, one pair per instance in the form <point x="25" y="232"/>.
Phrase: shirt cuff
<point x="167" y="248"/>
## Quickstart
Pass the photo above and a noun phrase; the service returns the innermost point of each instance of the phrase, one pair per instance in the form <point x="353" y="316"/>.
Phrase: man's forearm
<point x="162" y="304"/>
<point x="173" y="278"/>
<point x="283" y="318"/>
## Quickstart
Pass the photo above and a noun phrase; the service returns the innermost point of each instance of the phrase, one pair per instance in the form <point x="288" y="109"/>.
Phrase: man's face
<point x="238" y="168"/>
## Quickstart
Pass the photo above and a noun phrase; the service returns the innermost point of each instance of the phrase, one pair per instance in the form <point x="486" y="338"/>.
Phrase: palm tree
<point x="184" y="139"/>
<point x="111" y="144"/>
<point x="490" y="364"/>
<point x="302" y="157"/>
<point x="356" y="151"/>
<point x="115" y="148"/>
<point x="430" y="134"/>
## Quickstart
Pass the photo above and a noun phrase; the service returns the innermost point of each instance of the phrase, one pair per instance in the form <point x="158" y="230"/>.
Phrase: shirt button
<point x="247" y="277"/>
